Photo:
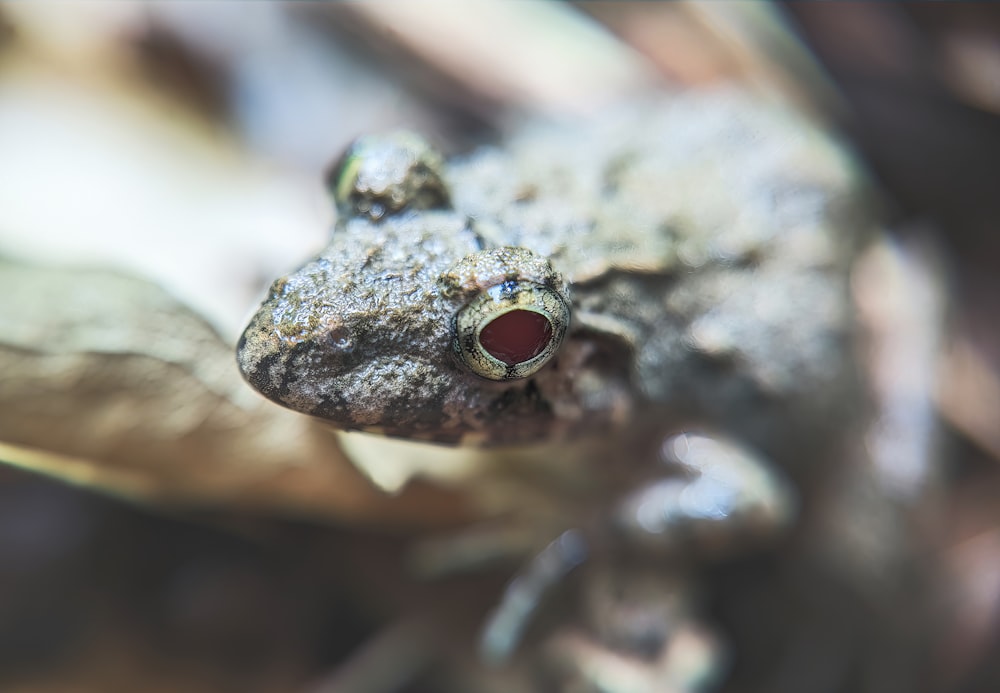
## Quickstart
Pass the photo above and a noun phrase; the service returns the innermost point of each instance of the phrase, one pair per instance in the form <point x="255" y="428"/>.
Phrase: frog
<point x="641" y="321"/>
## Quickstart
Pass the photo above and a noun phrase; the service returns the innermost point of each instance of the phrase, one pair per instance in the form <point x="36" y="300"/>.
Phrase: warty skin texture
<point x="706" y="405"/>
<point x="702" y="243"/>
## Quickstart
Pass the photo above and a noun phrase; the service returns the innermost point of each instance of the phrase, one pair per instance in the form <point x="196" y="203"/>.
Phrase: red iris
<point x="516" y="336"/>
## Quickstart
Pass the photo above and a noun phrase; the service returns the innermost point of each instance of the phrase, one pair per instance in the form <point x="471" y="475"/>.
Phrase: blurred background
<point x="185" y="144"/>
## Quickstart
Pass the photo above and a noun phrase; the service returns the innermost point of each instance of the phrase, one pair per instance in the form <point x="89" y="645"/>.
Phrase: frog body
<point x="648" y="315"/>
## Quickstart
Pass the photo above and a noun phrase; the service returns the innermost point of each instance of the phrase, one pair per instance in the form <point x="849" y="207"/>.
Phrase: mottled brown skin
<point x="704" y="241"/>
<point x="704" y="244"/>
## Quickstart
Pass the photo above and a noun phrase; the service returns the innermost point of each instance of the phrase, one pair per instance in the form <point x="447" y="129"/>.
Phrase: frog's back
<point x="710" y="233"/>
<point x="667" y="185"/>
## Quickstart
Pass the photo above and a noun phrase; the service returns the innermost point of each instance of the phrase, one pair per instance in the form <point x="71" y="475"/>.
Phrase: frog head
<point x="411" y="324"/>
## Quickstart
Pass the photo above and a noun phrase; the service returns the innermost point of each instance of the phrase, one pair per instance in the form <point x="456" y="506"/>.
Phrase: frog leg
<point x="524" y="593"/>
<point x="689" y="662"/>
<point x="724" y="495"/>
<point x="640" y="633"/>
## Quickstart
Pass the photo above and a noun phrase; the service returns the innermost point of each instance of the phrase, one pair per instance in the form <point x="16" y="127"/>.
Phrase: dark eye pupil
<point x="516" y="336"/>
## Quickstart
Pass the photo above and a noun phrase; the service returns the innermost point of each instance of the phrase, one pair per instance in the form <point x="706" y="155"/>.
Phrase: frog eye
<point x="511" y="330"/>
<point x="382" y="175"/>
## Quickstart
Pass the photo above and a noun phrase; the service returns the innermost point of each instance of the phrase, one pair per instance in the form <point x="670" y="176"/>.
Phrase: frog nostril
<point x="511" y="330"/>
<point x="340" y="338"/>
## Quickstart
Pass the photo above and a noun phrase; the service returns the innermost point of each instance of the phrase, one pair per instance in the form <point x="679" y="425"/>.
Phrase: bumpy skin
<point x="704" y="245"/>
<point x="704" y="242"/>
